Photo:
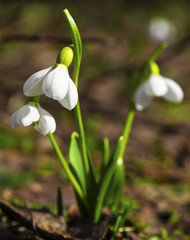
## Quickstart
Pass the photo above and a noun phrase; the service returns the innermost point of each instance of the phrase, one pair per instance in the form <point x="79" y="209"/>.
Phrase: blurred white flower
<point x="157" y="86"/>
<point x="31" y="115"/>
<point x="162" y="29"/>
<point x="55" y="83"/>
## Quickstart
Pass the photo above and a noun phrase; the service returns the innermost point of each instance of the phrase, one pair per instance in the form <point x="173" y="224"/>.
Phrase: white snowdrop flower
<point x="46" y="122"/>
<point x="24" y="116"/>
<point x="33" y="85"/>
<point x="162" y="29"/>
<point x="55" y="81"/>
<point x="29" y="114"/>
<point x="157" y="86"/>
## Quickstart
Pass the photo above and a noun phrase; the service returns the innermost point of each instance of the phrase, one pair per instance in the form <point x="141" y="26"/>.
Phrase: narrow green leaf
<point x="105" y="180"/>
<point x="114" y="195"/>
<point x="59" y="202"/>
<point x="77" y="45"/>
<point x="83" y="208"/>
<point x="74" y="33"/>
<point x="125" y="212"/>
<point x="76" y="165"/>
<point x="105" y="154"/>
<point x="122" y="217"/>
<point x="91" y="185"/>
<point x="75" y="161"/>
<point x="92" y="171"/>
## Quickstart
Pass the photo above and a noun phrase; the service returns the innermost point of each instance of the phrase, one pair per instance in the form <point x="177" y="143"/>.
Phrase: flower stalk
<point x="66" y="167"/>
<point x="77" y="48"/>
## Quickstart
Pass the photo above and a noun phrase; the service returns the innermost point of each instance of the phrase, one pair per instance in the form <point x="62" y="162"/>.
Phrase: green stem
<point x="65" y="166"/>
<point x="127" y="127"/>
<point x="79" y="123"/>
<point x="131" y="113"/>
<point x="77" y="48"/>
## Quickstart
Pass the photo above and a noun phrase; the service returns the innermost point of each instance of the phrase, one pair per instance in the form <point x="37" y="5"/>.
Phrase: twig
<point x="52" y="38"/>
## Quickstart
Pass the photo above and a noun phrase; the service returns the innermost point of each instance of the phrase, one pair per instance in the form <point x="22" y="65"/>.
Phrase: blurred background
<point x="117" y="37"/>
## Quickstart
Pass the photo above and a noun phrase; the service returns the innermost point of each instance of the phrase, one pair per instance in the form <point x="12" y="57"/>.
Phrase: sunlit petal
<point x="174" y="93"/>
<point x="26" y="115"/>
<point x="56" y="82"/>
<point x="71" y="99"/>
<point x="33" y="85"/>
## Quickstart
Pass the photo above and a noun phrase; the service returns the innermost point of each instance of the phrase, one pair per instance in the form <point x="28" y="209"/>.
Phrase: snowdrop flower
<point x="157" y="86"/>
<point x="162" y="29"/>
<point x="55" y="81"/>
<point x="29" y="114"/>
<point x="46" y="122"/>
<point x="24" y="116"/>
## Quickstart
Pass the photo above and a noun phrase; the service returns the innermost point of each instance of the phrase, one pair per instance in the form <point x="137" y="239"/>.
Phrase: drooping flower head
<point x="55" y="81"/>
<point x="24" y="116"/>
<point x="157" y="86"/>
<point x="46" y="122"/>
<point x="31" y="114"/>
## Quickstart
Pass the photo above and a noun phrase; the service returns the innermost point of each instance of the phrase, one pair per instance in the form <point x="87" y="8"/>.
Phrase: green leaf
<point x="76" y="166"/>
<point x="59" y="202"/>
<point x="114" y="195"/>
<point x="77" y="45"/>
<point x="92" y="171"/>
<point x="122" y="217"/>
<point x="75" y="161"/>
<point x="105" y="180"/>
<point x="66" y="167"/>
<point x="105" y="154"/>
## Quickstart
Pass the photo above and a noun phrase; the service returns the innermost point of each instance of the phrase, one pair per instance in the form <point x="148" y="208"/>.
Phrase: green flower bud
<point x="65" y="56"/>
<point x="154" y="69"/>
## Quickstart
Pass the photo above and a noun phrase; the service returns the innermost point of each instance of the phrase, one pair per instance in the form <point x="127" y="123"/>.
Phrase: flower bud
<point x="65" y="56"/>
<point x="154" y="69"/>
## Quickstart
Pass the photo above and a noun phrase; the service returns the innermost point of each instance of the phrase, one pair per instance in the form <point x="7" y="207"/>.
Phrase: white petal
<point x="12" y="121"/>
<point x="155" y="86"/>
<point x="56" y="82"/>
<point x="33" y="85"/>
<point x="26" y="115"/>
<point x="71" y="99"/>
<point x="47" y="122"/>
<point x="174" y="93"/>
<point x="141" y="99"/>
